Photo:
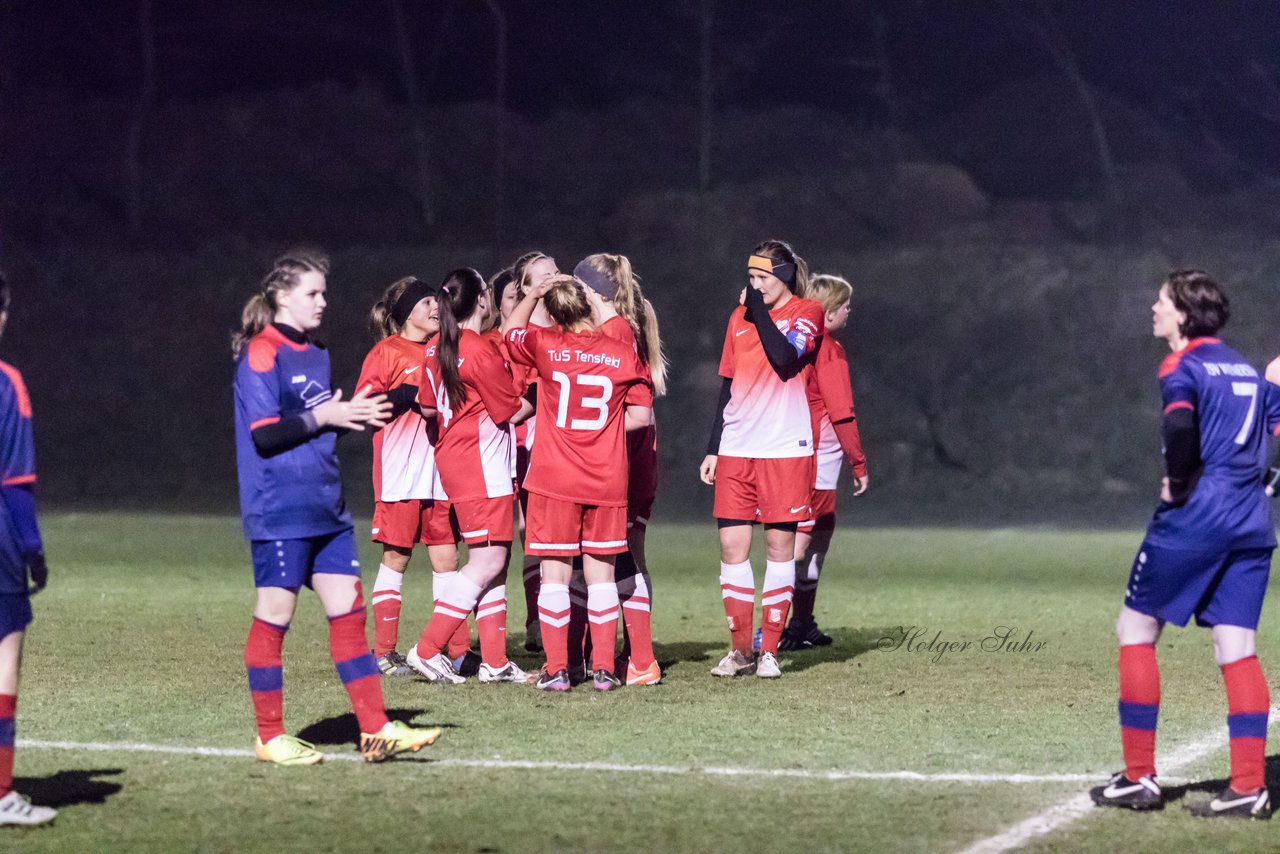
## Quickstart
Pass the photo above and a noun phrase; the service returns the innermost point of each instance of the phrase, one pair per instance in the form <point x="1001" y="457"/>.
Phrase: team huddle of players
<point x="528" y="396"/>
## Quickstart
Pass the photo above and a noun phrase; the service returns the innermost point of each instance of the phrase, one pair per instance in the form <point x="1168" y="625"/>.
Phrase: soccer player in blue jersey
<point x="22" y="567"/>
<point x="287" y="420"/>
<point x="1207" y="552"/>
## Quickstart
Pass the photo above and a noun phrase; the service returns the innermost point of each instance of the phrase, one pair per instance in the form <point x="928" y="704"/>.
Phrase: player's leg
<point x="736" y="509"/>
<point x="442" y="535"/>
<point x="531" y="566"/>
<point x="604" y="536"/>
<point x="813" y="541"/>
<point x="15" y="809"/>
<point x="554" y="535"/>
<point x="785" y="487"/>
<point x="635" y="593"/>
<point x="396" y="527"/>
<point x="579" y="638"/>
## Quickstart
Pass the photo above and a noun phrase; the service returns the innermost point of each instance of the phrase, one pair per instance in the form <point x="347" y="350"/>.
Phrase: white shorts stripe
<point x="608" y="544"/>
<point x="484" y="531"/>
<point x="553" y="545"/>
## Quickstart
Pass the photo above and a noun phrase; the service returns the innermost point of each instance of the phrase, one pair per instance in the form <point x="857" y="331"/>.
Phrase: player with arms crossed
<point x="470" y="389"/>
<point x="295" y="518"/>
<point x="591" y="389"/>
<point x="1207" y="552"/>
<point x="760" y="456"/>
<point x="410" y="506"/>
<point x="21" y="555"/>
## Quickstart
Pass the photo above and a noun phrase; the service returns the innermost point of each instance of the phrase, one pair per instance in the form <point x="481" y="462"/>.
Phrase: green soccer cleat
<point x="395" y="737"/>
<point x="288" y="750"/>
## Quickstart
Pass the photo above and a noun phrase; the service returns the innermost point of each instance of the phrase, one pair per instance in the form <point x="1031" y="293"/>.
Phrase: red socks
<point x="553" y="614"/>
<point x="359" y="673"/>
<point x="386" y="609"/>
<point x="1139" y="708"/>
<point x="452" y="609"/>
<point x="775" y="602"/>
<point x="266" y="679"/>
<point x="602" y="612"/>
<point x="1248" y="703"/>
<point x="8" y="710"/>
<point x="633" y="590"/>
<point x="738" y="590"/>
<point x="491" y="623"/>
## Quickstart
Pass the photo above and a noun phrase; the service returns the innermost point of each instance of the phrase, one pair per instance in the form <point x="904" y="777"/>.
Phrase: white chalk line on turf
<point x="607" y="767"/>
<point x="1077" y="806"/>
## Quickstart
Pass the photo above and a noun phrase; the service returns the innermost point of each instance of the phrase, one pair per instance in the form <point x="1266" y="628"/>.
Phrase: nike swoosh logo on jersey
<point x="741" y="332"/>
<point x="410" y="370"/>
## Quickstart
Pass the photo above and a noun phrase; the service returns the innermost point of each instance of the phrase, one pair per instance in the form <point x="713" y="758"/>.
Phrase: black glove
<point x="754" y="301"/>
<point x="38" y="570"/>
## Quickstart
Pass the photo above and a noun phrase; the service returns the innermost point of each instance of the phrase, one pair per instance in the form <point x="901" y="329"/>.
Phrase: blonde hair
<point x="567" y="303"/>
<point x="830" y="290"/>
<point x="631" y="305"/>
<point x="381" y="323"/>
<point x="285" y="274"/>
<point x="520" y="271"/>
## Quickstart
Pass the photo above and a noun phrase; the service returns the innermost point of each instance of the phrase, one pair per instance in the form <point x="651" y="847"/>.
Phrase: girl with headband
<point x="760" y="457"/>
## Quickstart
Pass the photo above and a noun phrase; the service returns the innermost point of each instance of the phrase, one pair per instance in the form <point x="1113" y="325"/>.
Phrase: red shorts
<point x="556" y="528"/>
<point x="404" y="524"/>
<point x="642" y="475"/>
<point x="822" y="511"/>
<point x="768" y="491"/>
<point x="485" y="520"/>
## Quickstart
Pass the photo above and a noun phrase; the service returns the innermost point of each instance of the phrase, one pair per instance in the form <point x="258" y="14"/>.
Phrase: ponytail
<point x="619" y="283"/>
<point x="459" y="297"/>
<point x="650" y="345"/>
<point x="283" y="277"/>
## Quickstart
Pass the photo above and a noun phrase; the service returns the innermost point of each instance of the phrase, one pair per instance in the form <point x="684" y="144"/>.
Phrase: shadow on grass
<point x="847" y="644"/>
<point x="671" y="654"/>
<point x="68" y="788"/>
<point x="1213" y="787"/>
<point x="343" y="729"/>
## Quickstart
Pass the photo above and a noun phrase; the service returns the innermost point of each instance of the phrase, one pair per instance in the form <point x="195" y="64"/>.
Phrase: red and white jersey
<point x="404" y="462"/>
<point x="767" y="418"/>
<point x="476" y="451"/>
<point x="586" y="381"/>
<point x="831" y="399"/>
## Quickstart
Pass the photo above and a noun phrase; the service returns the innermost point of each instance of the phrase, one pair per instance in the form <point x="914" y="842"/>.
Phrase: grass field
<point x="138" y="641"/>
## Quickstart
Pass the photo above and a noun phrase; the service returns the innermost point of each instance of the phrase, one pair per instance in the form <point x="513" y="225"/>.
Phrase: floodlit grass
<point x="139" y="639"/>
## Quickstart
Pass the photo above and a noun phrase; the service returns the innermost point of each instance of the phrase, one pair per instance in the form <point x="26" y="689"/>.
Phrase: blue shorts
<point x="291" y="563"/>
<point x="15" y="613"/>
<point x="1217" y="588"/>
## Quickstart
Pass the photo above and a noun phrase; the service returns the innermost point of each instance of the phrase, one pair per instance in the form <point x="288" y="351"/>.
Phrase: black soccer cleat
<point x="1231" y="804"/>
<point x="1123" y="792"/>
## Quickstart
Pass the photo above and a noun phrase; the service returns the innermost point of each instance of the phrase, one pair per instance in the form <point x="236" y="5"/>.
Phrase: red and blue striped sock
<point x="1248" y="703"/>
<point x="356" y="667"/>
<point x="1139" y="708"/>
<point x="266" y="678"/>
<point x="8" y="709"/>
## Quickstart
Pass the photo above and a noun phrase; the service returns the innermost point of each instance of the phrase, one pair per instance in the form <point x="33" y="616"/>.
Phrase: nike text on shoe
<point x="438" y="668"/>
<point x="1145" y="794"/>
<point x="1232" y="804"/>
<point x="17" y="809"/>
<point x="734" y="664"/>
<point x="395" y="737"/>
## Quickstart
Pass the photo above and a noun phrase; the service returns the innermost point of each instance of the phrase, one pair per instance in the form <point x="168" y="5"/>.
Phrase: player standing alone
<point x="760" y="455"/>
<point x="21" y="554"/>
<point x="1207" y="552"/>
<point x="295" y="518"/>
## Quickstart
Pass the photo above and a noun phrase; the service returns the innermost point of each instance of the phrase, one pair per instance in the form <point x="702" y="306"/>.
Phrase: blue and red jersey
<point x="297" y="492"/>
<point x="1227" y="509"/>
<point x="19" y="536"/>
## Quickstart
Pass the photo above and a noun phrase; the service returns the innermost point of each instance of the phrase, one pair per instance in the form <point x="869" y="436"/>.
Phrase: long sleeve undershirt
<point x="1181" y="436"/>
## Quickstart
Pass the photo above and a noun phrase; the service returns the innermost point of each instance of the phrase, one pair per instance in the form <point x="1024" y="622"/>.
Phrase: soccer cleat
<point x="437" y="668"/>
<point x="288" y="750"/>
<point x="603" y="680"/>
<point x="650" y="675"/>
<point x="533" y="637"/>
<point x="393" y="664"/>
<point x="17" y="809"/>
<point x="796" y="637"/>
<point x="1231" y="804"/>
<point x="558" y="681"/>
<point x="509" y="672"/>
<point x="734" y="664"/>
<point x="395" y="737"/>
<point x="1123" y="792"/>
<point x="767" y="666"/>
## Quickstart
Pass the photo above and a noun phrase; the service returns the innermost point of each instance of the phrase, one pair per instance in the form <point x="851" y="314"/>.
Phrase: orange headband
<point x="784" y="270"/>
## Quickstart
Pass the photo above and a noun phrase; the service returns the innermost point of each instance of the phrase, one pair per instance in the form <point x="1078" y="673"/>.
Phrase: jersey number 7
<point x="593" y="393"/>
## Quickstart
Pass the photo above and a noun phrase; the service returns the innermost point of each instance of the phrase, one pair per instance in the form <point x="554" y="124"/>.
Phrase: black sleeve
<point x="403" y="398"/>
<point x="783" y="358"/>
<point x="717" y="426"/>
<point x="1181" y="451"/>
<point x="531" y="395"/>
<point x="289" y="432"/>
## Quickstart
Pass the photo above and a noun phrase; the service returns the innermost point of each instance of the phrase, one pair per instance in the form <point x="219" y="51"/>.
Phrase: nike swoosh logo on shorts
<point x="797" y="509"/>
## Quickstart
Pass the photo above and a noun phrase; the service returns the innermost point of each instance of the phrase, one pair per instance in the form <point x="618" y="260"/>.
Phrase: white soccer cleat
<point x="767" y="666"/>
<point x="509" y="672"/>
<point x="438" y="668"/>
<point x="17" y="809"/>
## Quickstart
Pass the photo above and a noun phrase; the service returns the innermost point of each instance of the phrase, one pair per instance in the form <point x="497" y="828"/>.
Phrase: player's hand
<point x="1166" y="494"/>
<point x="353" y="414"/>
<point x="540" y="290"/>
<point x="1273" y="481"/>
<point x="860" y="484"/>
<point x="38" y="571"/>
<point x="707" y="471"/>
<point x="742" y="297"/>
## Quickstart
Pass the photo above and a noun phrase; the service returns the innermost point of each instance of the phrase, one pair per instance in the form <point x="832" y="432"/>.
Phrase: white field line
<point x="1077" y="806"/>
<point x="607" y="767"/>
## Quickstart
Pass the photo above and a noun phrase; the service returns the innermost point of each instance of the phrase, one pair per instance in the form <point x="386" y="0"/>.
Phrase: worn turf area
<point x="139" y="640"/>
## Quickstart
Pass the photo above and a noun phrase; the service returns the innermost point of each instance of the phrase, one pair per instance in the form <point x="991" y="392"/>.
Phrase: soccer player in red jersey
<point x="835" y="429"/>
<point x="295" y="518"/>
<point x="22" y="568"/>
<point x="592" y="389"/>
<point x="470" y="388"/>
<point x="622" y="311"/>
<point x="760" y="456"/>
<point x="411" y="505"/>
